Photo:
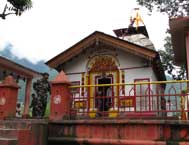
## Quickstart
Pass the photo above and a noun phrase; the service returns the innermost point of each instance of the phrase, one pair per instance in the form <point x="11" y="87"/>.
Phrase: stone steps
<point x="11" y="136"/>
<point x="23" y="131"/>
<point x="9" y="133"/>
<point x="8" y="141"/>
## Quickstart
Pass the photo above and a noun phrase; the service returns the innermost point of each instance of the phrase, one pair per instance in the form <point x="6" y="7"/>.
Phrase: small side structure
<point x="18" y="131"/>
<point x="8" y="67"/>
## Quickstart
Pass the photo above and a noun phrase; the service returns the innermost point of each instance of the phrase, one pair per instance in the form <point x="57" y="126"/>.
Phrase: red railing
<point x="141" y="99"/>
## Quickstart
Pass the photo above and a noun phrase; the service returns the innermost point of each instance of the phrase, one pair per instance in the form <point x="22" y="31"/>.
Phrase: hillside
<point x="39" y="66"/>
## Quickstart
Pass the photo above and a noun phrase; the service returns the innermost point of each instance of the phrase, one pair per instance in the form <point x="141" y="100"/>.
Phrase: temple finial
<point x="136" y="19"/>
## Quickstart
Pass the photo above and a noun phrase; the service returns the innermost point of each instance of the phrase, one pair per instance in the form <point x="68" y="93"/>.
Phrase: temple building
<point x="100" y="58"/>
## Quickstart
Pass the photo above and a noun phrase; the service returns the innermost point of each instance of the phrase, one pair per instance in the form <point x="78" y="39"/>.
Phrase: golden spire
<point x="137" y="18"/>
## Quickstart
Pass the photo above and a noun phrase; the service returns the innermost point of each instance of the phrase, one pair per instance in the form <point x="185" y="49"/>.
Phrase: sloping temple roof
<point x="9" y="66"/>
<point x="97" y="37"/>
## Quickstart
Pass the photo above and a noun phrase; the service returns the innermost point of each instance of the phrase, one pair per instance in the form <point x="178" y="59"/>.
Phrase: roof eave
<point x="98" y="36"/>
<point x="178" y="28"/>
<point x="22" y="70"/>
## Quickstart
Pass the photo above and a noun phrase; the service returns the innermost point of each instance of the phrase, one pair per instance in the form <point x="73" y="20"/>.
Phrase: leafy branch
<point x="169" y="64"/>
<point x="15" y="7"/>
<point x="173" y="8"/>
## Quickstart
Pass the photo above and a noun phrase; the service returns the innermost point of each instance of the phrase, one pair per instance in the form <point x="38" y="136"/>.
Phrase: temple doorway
<point x="104" y="89"/>
<point x="104" y="94"/>
<point x="103" y="69"/>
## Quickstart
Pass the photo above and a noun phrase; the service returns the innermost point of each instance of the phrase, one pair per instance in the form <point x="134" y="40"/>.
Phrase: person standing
<point x="36" y="111"/>
<point x="42" y="88"/>
<point x="99" y="103"/>
<point x="18" y="110"/>
<point x="109" y="97"/>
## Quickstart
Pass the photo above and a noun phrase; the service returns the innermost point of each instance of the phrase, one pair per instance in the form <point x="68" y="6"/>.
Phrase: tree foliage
<point x="168" y="62"/>
<point x="173" y="8"/>
<point x="16" y="7"/>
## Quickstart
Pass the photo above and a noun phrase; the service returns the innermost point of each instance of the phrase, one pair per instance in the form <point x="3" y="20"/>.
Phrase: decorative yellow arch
<point x="102" y="63"/>
<point x="97" y="65"/>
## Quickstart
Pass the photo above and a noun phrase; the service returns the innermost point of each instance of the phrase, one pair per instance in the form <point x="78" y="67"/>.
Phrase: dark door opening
<point x="104" y="89"/>
<point x="104" y="95"/>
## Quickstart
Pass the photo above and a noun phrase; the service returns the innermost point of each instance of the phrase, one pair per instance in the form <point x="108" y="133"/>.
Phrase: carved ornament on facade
<point x="102" y="63"/>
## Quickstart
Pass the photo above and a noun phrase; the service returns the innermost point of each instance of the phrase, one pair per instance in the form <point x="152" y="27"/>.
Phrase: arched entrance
<point x="103" y="69"/>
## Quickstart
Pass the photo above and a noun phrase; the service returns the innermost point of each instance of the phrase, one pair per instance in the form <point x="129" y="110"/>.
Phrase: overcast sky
<point x="52" y="26"/>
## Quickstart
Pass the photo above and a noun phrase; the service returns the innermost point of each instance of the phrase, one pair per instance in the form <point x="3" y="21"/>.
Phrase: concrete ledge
<point x="106" y="141"/>
<point x="122" y="121"/>
<point x="8" y="139"/>
<point x="100" y="141"/>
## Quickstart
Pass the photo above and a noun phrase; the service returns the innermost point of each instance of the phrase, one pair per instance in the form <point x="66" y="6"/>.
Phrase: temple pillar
<point x="60" y="107"/>
<point x="27" y="97"/>
<point x="187" y="53"/>
<point x="8" y="97"/>
<point x="187" y="67"/>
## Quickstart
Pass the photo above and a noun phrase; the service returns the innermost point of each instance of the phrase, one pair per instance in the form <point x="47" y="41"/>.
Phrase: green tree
<point x="16" y="7"/>
<point x="168" y="62"/>
<point x="173" y="8"/>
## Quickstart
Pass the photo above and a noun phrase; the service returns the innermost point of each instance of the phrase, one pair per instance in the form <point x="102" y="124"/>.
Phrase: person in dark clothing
<point x="34" y="106"/>
<point x="18" y="110"/>
<point x="99" y="103"/>
<point x="42" y="88"/>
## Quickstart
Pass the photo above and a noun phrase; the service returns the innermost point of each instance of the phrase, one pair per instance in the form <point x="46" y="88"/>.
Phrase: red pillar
<point x="27" y="98"/>
<point x="8" y="97"/>
<point x="187" y="52"/>
<point x="187" y="60"/>
<point x="60" y="98"/>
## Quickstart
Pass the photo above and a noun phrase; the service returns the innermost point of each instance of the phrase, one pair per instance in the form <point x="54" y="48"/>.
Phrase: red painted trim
<point x="123" y="81"/>
<point x="137" y="80"/>
<point x="142" y="79"/>
<point x="89" y="95"/>
<point x="137" y="67"/>
<point x="127" y="68"/>
<point x="82" y="83"/>
<point x="76" y="83"/>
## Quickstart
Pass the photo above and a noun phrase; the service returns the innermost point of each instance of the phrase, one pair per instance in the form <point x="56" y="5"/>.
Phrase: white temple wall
<point x="133" y="65"/>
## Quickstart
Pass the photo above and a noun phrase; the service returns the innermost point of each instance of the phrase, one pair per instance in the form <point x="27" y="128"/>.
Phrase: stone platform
<point x="94" y="132"/>
<point x="119" y="132"/>
<point x="23" y="132"/>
